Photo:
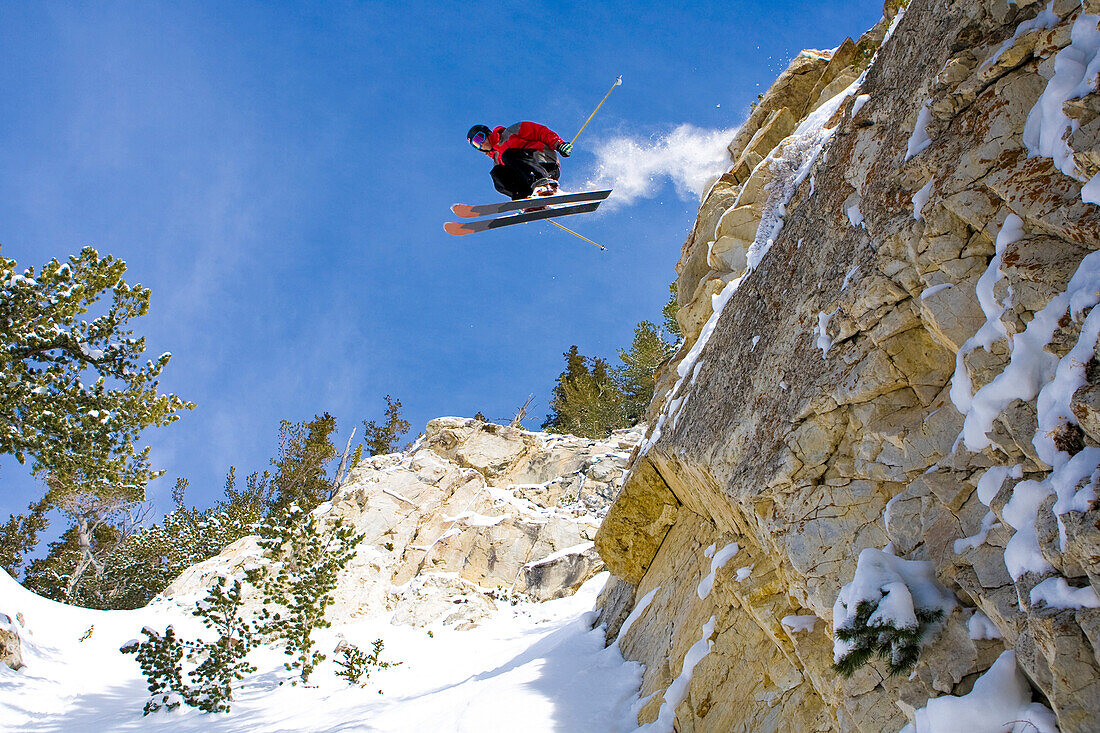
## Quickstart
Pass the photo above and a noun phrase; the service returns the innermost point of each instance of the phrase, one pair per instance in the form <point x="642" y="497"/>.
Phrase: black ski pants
<point x="522" y="169"/>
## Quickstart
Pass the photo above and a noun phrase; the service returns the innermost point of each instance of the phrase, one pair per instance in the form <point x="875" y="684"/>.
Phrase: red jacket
<point x="522" y="135"/>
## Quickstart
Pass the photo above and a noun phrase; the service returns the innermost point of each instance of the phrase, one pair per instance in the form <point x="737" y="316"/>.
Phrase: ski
<point x="472" y="212"/>
<point x="470" y="227"/>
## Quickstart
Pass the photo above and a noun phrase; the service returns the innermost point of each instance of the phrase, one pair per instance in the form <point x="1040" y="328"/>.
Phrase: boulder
<point x="11" y="646"/>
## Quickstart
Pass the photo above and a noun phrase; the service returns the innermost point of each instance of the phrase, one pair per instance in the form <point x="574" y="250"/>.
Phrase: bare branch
<point x="521" y="414"/>
<point x="341" y="471"/>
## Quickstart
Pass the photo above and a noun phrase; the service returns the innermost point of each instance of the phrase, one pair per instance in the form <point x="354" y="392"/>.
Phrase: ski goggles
<point x="479" y="138"/>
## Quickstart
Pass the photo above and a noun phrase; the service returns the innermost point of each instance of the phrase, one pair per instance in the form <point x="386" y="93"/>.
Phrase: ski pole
<point x="618" y="81"/>
<point x="559" y="226"/>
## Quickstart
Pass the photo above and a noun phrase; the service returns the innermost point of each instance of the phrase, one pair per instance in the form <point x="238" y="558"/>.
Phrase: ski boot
<point x="543" y="187"/>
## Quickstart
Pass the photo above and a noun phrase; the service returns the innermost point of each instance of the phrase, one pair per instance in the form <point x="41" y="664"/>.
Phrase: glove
<point x="565" y="148"/>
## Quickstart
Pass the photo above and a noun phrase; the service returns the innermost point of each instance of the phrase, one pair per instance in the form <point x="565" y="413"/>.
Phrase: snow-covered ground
<point x="531" y="667"/>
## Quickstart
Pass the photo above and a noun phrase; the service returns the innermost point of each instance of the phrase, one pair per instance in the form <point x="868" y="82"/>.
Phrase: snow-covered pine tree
<point x="355" y="665"/>
<point x="198" y="672"/>
<point x="52" y="576"/>
<point x="19" y="535"/>
<point x="148" y="561"/>
<point x="220" y="662"/>
<point x="890" y="609"/>
<point x="74" y="393"/>
<point x="161" y="659"/>
<point x="299" y="583"/>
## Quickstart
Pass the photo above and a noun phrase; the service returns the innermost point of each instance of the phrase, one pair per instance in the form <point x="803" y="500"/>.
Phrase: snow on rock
<point x="477" y="570"/>
<point x="1033" y="373"/>
<point x="719" y="559"/>
<point x="1090" y="192"/>
<point x="635" y="613"/>
<point x="849" y="276"/>
<point x="989" y="521"/>
<point x="987" y="471"/>
<point x="929" y="292"/>
<point x="897" y="588"/>
<point x="857" y="105"/>
<point x="999" y="702"/>
<point x="961" y="388"/>
<point x="677" y="691"/>
<point x="1057" y="593"/>
<point x="823" y="341"/>
<point x="474" y="519"/>
<point x="789" y="166"/>
<point x="1031" y="366"/>
<point x="991" y="480"/>
<point x="855" y="216"/>
<point x="11" y="646"/>
<point x="1075" y="74"/>
<point x="1044" y="20"/>
<point x="797" y="624"/>
<point x="688" y="365"/>
<point x="1053" y="408"/>
<point x="920" y="199"/>
<point x="919" y="140"/>
<point x="980" y="627"/>
<point x="558" y="574"/>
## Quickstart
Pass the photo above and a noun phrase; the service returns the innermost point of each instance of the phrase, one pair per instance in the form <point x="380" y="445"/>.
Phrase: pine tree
<point x="576" y="369"/>
<point x="899" y="646"/>
<point x="161" y="659"/>
<point x="299" y="583"/>
<point x="60" y="575"/>
<point x="148" y="561"/>
<point x="586" y="400"/>
<point x="638" y="370"/>
<point x="305" y="449"/>
<point x="668" y="313"/>
<point x="221" y="662"/>
<point x="198" y="672"/>
<point x="96" y="513"/>
<point x="134" y="568"/>
<point x="19" y="536"/>
<point x="74" y="395"/>
<point x="383" y="438"/>
<point x="356" y="457"/>
<point x="355" y="665"/>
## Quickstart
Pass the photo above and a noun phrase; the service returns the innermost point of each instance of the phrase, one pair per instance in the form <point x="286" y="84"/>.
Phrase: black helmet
<point x="479" y="131"/>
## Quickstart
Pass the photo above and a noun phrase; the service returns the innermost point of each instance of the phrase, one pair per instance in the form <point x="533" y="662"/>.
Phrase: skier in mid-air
<point x="525" y="155"/>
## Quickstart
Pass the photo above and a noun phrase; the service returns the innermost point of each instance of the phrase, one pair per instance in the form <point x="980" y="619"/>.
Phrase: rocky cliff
<point x="890" y="357"/>
<point x="472" y="514"/>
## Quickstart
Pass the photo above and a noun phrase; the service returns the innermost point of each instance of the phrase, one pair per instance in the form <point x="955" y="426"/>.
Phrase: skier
<point x="526" y="163"/>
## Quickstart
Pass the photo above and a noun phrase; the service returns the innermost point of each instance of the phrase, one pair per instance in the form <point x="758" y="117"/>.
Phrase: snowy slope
<point x="535" y="667"/>
<point x="471" y="517"/>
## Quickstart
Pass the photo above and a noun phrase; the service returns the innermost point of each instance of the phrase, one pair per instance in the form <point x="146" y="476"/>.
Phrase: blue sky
<point x="278" y="174"/>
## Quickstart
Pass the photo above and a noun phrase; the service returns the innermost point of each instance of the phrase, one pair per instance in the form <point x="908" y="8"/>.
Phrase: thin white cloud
<point x="638" y="167"/>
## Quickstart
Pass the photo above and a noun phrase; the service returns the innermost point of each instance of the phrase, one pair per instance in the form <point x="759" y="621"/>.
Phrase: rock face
<point x="470" y="515"/>
<point x="11" y="646"/>
<point x="891" y="341"/>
